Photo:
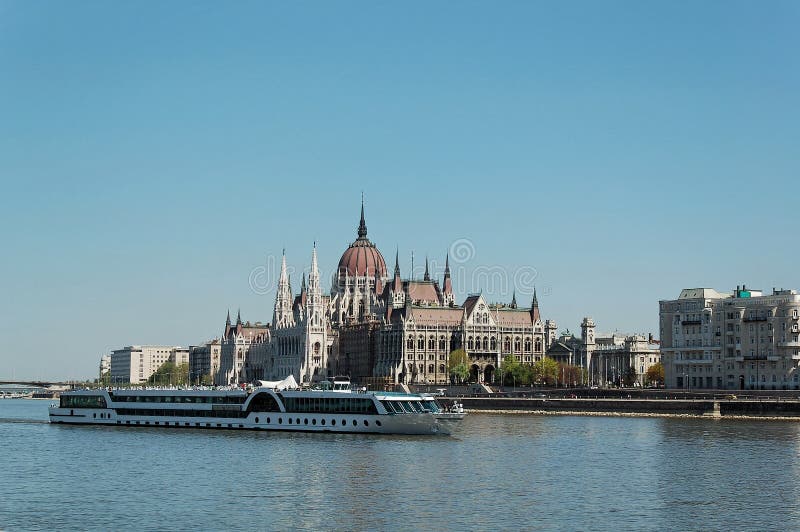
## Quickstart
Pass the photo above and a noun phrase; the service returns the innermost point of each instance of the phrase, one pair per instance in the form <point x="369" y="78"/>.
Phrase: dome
<point x="362" y="256"/>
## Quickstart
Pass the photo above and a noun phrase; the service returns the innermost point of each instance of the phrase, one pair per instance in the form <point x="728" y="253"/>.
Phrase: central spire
<point x="362" y="227"/>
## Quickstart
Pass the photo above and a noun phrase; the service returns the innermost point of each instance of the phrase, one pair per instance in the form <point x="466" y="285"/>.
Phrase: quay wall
<point x="722" y="408"/>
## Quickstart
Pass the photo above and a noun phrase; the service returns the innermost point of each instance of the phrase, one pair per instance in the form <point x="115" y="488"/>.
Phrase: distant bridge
<point x="37" y="384"/>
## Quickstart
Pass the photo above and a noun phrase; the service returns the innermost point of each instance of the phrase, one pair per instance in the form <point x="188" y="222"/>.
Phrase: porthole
<point x="322" y="421"/>
<point x="378" y="422"/>
<point x="305" y="421"/>
<point x="267" y="420"/>
<point x="313" y="421"/>
<point x="256" y="419"/>
<point x="185" y="424"/>
<point x="197" y="424"/>
<point x="366" y="423"/>
<point x="280" y="421"/>
<point x="290" y="421"/>
<point x="297" y="420"/>
<point x="344" y="422"/>
<point x="219" y="424"/>
<point x="208" y="424"/>
<point x="156" y="422"/>
<point x="94" y="416"/>
<point x="333" y="422"/>
<point x="355" y="423"/>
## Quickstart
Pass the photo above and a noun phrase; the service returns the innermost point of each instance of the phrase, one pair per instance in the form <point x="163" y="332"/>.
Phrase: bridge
<point x="37" y="384"/>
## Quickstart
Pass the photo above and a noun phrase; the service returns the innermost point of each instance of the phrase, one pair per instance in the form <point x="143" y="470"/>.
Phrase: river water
<point x="501" y="472"/>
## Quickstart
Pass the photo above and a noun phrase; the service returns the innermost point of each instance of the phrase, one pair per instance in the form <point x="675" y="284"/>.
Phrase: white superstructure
<point x="262" y="408"/>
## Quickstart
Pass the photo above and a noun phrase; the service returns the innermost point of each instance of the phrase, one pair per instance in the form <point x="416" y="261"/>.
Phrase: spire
<point x="303" y="283"/>
<point x="447" y="266"/>
<point x="427" y="275"/>
<point x="228" y="321"/>
<point x="397" y="263"/>
<point x="535" y="316"/>
<point x="362" y="227"/>
<point x="514" y="300"/>
<point x="239" y="317"/>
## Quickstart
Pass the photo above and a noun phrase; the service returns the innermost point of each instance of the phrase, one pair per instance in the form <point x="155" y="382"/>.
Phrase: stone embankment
<point x="762" y="408"/>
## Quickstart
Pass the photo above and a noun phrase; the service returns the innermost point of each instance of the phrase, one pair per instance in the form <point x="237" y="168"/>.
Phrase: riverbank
<point x="765" y="409"/>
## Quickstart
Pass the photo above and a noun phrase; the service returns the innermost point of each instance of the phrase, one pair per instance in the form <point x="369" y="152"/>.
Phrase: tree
<point x="630" y="376"/>
<point x="458" y="365"/>
<point x="571" y="375"/>
<point x="511" y="370"/>
<point x="546" y="371"/>
<point x="655" y="374"/>
<point x="169" y="373"/>
<point x="206" y="380"/>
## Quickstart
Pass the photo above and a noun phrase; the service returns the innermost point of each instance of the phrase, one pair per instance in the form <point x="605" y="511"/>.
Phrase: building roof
<point x="704" y="293"/>
<point x="436" y="315"/>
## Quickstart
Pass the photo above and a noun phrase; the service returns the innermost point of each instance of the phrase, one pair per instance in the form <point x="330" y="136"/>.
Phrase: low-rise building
<point x="136" y="363"/>
<point x="204" y="360"/>
<point x="608" y="358"/>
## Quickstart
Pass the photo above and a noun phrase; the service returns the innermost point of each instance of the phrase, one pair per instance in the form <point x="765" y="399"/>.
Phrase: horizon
<point x="157" y="159"/>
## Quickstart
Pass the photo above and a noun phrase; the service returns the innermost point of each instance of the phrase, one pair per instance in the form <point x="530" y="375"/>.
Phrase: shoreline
<point x="478" y="411"/>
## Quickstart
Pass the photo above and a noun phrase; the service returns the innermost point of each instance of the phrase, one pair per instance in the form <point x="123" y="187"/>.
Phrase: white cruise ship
<point x="336" y="409"/>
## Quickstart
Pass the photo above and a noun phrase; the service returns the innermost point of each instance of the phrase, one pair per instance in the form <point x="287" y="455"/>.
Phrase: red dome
<point x="362" y="256"/>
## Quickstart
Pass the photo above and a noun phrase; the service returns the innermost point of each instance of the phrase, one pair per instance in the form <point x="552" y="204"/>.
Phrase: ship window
<point x="256" y="419"/>
<point x="355" y="423"/>
<point x="280" y="421"/>
<point x="378" y="422"/>
<point x="297" y="421"/>
<point x="333" y="422"/>
<point x="366" y="423"/>
<point x="305" y="421"/>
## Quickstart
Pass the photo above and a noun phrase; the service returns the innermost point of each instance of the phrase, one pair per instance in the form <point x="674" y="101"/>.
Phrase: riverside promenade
<point x="761" y="404"/>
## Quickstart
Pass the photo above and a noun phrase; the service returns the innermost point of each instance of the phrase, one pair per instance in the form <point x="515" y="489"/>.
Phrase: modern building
<point x="135" y="364"/>
<point x="742" y="340"/>
<point x="607" y="358"/>
<point x="204" y="360"/>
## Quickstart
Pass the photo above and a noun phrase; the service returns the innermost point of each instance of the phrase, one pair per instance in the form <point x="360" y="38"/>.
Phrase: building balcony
<point x="789" y="344"/>
<point x="754" y="318"/>
<point x="691" y="322"/>
<point x="796" y="356"/>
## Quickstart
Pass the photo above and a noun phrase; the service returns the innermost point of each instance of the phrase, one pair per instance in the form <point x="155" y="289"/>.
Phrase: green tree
<point x="169" y="373"/>
<point x="511" y="371"/>
<point x="458" y="366"/>
<point x="655" y="374"/>
<point x="546" y="371"/>
<point x="630" y="376"/>
<point x="206" y="380"/>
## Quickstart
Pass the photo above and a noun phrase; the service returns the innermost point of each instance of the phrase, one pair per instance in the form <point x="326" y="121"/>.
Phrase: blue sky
<point x="153" y="156"/>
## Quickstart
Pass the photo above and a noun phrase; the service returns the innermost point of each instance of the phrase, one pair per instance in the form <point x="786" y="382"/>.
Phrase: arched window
<point x="494" y="343"/>
<point x="316" y="348"/>
<point x="441" y="368"/>
<point x="431" y="368"/>
<point x="410" y="343"/>
<point x="517" y="344"/>
<point x="485" y="342"/>
<point x="527" y="345"/>
<point x="507" y="344"/>
<point x="442" y="343"/>
<point x="538" y="345"/>
<point x="470" y="344"/>
<point x="421" y="342"/>
<point x="431" y="343"/>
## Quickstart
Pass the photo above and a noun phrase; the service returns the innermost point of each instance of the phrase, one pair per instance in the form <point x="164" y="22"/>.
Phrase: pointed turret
<point x="427" y="276"/>
<point x="239" y="317"/>
<point x="362" y="226"/>
<point x="282" y="315"/>
<point x="314" y="288"/>
<point x="228" y="320"/>
<point x="514" y="300"/>
<point x="447" y="291"/>
<point x="535" y="308"/>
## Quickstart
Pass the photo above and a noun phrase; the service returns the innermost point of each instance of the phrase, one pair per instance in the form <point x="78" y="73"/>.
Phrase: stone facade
<point x="734" y="341"/>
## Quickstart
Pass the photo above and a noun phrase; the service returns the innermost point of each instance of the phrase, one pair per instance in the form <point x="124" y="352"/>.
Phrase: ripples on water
<point x="499" y="473"/>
